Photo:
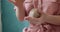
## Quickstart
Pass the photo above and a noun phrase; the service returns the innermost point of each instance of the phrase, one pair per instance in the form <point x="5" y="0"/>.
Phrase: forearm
<point x="20" y="13"/>
<point x="52" y="19"/>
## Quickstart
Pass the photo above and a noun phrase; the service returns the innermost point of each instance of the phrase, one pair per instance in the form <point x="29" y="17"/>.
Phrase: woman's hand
<point x="45" y="18"/>
<point x="32" y="18"/>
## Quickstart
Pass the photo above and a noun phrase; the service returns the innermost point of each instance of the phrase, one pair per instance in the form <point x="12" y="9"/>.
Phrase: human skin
<point x="44" y="17"/>
<point x="20" y="13"/>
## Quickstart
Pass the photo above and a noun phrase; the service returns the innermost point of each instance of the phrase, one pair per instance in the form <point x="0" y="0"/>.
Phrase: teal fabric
<point x="9" y="21"/>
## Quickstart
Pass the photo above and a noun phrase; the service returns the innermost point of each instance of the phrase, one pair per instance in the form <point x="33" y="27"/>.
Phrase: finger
<point x="26" y="18"/>
<point x="31" y="19"/>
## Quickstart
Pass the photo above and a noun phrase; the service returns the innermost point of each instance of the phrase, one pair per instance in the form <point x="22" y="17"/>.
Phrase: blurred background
<point x="0" y="18"/>
<point x="9" y="21"/>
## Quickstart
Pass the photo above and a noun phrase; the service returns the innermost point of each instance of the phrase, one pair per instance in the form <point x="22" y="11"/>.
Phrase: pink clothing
<point x="51" y="7"/>
<point x="42" y="28"/>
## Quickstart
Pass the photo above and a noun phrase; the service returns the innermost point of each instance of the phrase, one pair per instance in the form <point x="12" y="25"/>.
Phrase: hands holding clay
<point x="26" y="6"/>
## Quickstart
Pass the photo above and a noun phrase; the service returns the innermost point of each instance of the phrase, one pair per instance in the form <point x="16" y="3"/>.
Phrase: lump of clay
<point x="34" y="13"/>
